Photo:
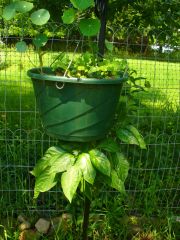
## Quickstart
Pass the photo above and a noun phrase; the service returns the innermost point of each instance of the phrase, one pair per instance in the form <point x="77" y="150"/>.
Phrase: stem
<point x="87" y="205"/>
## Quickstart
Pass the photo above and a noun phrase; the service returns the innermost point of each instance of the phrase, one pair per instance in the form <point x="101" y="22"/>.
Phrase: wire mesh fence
<point x="153" y="183"/>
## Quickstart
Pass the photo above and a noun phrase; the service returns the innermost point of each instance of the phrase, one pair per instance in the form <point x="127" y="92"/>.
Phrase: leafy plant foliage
<point x="79" y="166"/>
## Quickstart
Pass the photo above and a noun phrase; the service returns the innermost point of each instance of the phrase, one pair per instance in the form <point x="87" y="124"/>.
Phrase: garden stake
<point x="101" y="10"/>
<point x="87" y="205"/>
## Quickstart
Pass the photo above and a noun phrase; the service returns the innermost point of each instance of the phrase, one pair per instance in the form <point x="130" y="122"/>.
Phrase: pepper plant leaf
<point x="44" y="182"/>
<point x="62" y="163"/>
<point x="138" y="136"/>
<point x="121" y="166"/>
<point x="100" y="161"/>
<point x="40" y="17"/>
<point x="130" y="135"/>
<point x="9" y="12"/>
<point x="40" y="40"/>
<point x="69" y="16"/>
<point x="82" y="4"/>
<point x="23" y="6"/>
<point x="21" y="46"/>
<point x="89" y="27"/>
<point x="88" y="171"/>
<point x="116" y="182"/>
<point x="51" y="155"/>
<point x="70" y="181"/>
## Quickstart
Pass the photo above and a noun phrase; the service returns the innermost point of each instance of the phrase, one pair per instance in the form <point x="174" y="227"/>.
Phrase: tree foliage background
<point x="158" y="21"/>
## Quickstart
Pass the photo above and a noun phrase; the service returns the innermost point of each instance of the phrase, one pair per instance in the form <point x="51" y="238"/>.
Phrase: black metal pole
<point x="101" y="6"/>
<point x="87" y="205"/>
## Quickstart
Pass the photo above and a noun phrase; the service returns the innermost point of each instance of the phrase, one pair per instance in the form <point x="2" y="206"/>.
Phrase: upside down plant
<point x="86" y="166"/>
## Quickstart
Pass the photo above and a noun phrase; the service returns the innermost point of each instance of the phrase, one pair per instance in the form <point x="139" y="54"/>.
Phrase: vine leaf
<point x="131" y="135"/>
<point x="40" y="17"/>
<point x="23" y="6"/>
<point x="100" y="162"/>
<point x="82" y="4"/>
<point x="21" y="46"/>
<point x="89" y="27"/>
<point x="70" y="181"/>
<point x="9" y="12"/>
<point x="69" y="16"/>
<point x="40" y="40"/>
<point x="88" y="171"/>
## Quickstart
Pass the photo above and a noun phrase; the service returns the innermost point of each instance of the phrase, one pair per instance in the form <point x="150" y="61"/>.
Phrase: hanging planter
<point x="75" y="109"/>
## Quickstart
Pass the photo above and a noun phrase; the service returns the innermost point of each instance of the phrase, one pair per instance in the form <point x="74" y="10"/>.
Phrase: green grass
<point x="153" y="178"/>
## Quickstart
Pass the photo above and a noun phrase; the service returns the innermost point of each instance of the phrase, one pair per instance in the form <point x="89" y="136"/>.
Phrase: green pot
<point x="75" y="109"/>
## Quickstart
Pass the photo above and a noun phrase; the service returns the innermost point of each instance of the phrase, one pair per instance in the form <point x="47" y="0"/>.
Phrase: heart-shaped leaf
<point x="23" y="6"/>
<point x="40" y="17"/>
<point x="89" y="27"/>
<point x="100" y="162"/>
<point x="69" y="16"/>
<point x="40" y="40"/>
<point x="9" y="12"/>
<point x="21" y="47"/>
<point x="82" y="4"/>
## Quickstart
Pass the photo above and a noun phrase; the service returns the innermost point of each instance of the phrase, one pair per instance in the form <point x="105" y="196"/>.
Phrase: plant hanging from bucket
<point x="77" y="99"/>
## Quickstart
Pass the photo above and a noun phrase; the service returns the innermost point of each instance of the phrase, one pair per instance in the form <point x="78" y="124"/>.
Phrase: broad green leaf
<point x="88" y="171"/>
<point x="127" y="136"/>
<point x="109" y="45"/>
<point x="40" y="40"/>
<point x="116" y="182"/>
<point x="69" y="16"/>
<point x="100" y="161"/>
<point x="82" y="4"/>
<point x="109" y="145"/>
<point x="122" y="166"/>
<point x="44" y="182"/>
<point x="137" y="135"/>
<point x="40" y="17"/>
<point x="62" y="163"/>
<point x="9" y="12"/>
<point x="70" y="181"/>
<point x="89" y="27"/>
<point x="23" y="6"/>
<point x="47" y="160"/>
<point x="21" y="47"/>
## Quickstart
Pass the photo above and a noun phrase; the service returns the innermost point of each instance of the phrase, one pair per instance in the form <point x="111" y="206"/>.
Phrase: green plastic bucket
<point x="74" y="109"/>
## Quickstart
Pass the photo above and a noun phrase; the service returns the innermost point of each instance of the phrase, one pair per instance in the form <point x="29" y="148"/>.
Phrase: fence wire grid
<point x="153" y="183"/>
